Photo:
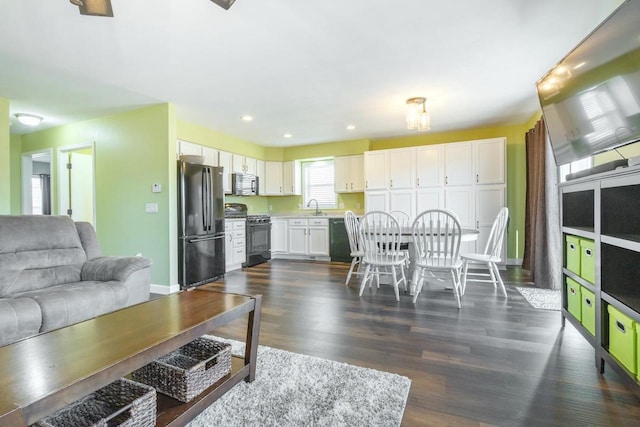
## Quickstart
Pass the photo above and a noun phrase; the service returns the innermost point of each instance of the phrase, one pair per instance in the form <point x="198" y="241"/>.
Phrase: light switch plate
<point x="152" y="208"/>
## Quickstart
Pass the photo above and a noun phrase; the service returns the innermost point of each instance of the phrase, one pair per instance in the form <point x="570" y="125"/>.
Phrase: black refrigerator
<point x="201" y="235"/>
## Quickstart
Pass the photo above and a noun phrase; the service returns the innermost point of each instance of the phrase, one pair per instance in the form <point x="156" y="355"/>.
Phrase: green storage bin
<point x="588" y="260"/>
<point x="573" y="254"/>
<point x="622" y="339"/>
<point x="588" y="310"/>
<point x="574" y="304"/>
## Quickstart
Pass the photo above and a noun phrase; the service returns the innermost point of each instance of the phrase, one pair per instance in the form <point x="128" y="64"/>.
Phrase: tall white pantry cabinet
<point x="467" y="177"/>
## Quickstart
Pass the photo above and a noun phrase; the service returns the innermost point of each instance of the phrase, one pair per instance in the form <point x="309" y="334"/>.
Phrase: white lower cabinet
<point x="300" y="238"/>
<point x="279" y="236"/>
<point x="376" y="200"/>
<point x="403" y="201"/>
<point x="235" y="243"/>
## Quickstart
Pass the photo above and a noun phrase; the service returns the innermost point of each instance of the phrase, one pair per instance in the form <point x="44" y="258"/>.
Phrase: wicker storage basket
<point x="122" y="403"/>
<point x="188" y="371"/>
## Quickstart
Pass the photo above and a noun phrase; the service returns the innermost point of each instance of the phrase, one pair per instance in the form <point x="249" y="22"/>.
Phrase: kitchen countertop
<point x="287" y="215"/>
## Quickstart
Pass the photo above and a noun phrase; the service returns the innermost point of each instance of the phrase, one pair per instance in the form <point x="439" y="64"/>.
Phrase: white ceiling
<point x="305" y="67"/>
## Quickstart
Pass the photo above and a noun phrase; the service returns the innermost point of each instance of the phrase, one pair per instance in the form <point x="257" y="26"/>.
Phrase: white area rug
<point x="292" y="389"/>
<point x="545" y="299"/>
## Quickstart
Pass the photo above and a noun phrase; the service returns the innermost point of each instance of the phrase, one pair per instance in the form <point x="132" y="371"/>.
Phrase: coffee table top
<point x="50" y="370"/>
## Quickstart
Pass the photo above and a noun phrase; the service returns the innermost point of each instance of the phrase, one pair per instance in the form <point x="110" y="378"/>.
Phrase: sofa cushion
<point x="88" y="239"/>
<point x="38" y="251"/>
<point x="70" y="303"/>
<point x="19" y="318"/>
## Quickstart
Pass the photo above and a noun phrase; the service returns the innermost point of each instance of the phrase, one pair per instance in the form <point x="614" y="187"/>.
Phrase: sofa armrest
<point x="109" y="268"/>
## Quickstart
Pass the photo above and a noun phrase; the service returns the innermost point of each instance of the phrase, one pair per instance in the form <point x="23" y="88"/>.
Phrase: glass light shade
<point x="412" y="116"/>
<point x="424" y="121"/>
<point x="28" y="119"/>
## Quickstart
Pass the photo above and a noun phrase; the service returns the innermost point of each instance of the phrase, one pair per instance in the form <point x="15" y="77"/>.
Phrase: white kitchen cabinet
<point x="461" y="201"/>
<point x="375" y="170"/>
<point x="244" y="164"/>
<point x="489" y="200"/>
<point x="235" y="243"/>
<point x="458" y="164"/>
<point x="404" y="201"/>
<point x="429" y="166"/>
<point x="186" y="148"/>
<point x="291" y="181"/>
<point x="225" y="160"/>
<point x="273" y="178"/>
<point x="376" y="200"/>
<point x="348" y="174"/>
<point x="318" y="236"/>
<point x="402" y="168"/>
<point x="210" y="156"/>
<point x="260" y="173"/>
<point x="429" y="198"/>
<point x="309" y="236"/>
<point x="490" y="164"/>
<point x="279" y="236"/>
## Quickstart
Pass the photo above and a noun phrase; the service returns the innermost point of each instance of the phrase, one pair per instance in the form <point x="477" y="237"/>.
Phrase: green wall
<point x="5" y="158"/>
<point x="132" y="151"/>
<point x="16" y="174"/>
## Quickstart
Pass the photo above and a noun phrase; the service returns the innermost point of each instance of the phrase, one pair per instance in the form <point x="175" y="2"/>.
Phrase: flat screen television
<point x="591" y="99"/>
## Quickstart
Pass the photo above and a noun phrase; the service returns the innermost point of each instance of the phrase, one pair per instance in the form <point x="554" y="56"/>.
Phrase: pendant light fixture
<point x="417" y="115"/>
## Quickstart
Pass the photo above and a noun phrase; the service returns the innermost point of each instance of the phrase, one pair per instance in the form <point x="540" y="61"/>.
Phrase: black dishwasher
<point x="339" y="241"/>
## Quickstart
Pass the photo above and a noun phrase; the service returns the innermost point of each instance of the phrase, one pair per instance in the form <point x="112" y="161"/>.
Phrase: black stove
<point x="258" y="233"/>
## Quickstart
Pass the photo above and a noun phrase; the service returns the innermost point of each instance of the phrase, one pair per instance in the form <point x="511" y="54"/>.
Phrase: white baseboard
<point x="164" y="290"/>
<point x="514" y="261"/>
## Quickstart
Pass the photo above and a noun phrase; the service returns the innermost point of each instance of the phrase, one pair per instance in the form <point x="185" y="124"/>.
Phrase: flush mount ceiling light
<point x="287" y="135"/>
<point x="225" y="4"/>
<point x="28" y="119"/>
<point x="94" y="7"/>
<point x="417" y="116"/>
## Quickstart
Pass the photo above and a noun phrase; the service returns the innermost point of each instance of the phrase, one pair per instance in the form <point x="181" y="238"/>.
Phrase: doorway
<point x="36" y="182"/>
<point x="76" y="183"/>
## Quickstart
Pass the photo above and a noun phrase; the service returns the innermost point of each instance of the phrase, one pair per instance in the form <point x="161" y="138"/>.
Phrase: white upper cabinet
<point x="458" y="164"/>
<point x="375" y="170"/>
<point x="291" y="178"/>
<point x="490" y="161"/>
<point x="402" y="168"/>
<point x="237" y="163"/>
<point x="348" y="174"/>
<point x="429" y="166"/>
<point x="186" y="148"/>
<point x="243" y="164"/>
<point x="262" y="180"/>
<point x="273" y="178"/>
<point x="210" y="156"/>
<point x="225" y="160"/>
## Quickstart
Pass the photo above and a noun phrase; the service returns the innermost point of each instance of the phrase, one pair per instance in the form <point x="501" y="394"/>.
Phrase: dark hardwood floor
<point x="493" y="362"/>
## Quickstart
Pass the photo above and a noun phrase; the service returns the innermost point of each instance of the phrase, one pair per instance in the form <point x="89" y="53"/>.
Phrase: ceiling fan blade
<point x="95" y="7"/>
<point x="226" y="4"/>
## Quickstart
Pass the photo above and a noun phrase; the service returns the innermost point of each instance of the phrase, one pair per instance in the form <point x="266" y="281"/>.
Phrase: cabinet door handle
<point x="391" y="183"/>
<point x="366" y="184"/>
<point x="446" y="180"/>
<point x="477" y="178"/>
<point x="478" y="225"/>
<point x="346" y="185"/>
<point x="418" y="182"/>
<point x="352" y="185"/>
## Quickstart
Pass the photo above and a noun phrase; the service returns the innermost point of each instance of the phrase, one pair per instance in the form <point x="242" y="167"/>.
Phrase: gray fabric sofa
<point x="52" y="275"/>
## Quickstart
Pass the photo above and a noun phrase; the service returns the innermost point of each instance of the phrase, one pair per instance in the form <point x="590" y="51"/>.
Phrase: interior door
<point x="76" y="185"/>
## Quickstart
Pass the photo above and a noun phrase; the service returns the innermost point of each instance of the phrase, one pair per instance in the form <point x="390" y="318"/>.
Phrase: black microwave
<point x="243" y="184"/>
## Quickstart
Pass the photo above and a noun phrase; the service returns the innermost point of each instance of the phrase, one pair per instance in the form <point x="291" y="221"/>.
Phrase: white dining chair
<point x="404" y="221"/>
<point x="436" y="236"/>
<point x="490" y="257"/>
<point x="380" y="234"/>
<point x="351" y="223"/>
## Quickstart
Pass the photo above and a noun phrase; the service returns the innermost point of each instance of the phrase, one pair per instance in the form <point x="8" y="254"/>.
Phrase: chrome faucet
<point x="318" y="212"/>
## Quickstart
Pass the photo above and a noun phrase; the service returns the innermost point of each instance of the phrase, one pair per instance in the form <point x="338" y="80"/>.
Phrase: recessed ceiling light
<point x="287" y="135"/>
<point x="28" y="119"/>
<point x="246" y="118"/>
<point x="351" y="127"/>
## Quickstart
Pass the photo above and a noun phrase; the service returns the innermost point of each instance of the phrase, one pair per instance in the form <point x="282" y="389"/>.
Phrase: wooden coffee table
<point x="44" y="373"/>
